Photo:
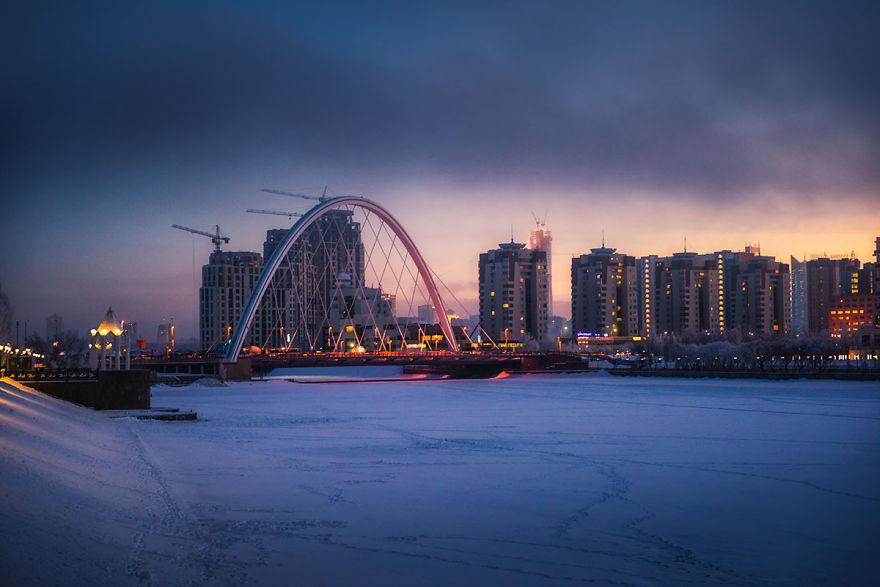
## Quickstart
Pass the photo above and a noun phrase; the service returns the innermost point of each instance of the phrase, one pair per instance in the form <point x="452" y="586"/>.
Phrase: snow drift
<point x="527" y="480"/>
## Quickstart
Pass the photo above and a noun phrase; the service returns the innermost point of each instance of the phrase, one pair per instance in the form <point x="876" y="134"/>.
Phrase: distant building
<point x="826" y="279"/>
<point x="129" y="328"/>
<point x="227" y="282"/>
<point x="685" y="294"/>
<point x="558" y="327"/>
<point x="274" y="236"/>
<point x="513" y="286"/>
<point x="715" y="294"/>
<point x="875" y="269"/>
<point x="276" y="313"/>
<point x="762" y="302"/>
<point x="361" y="319"/>
<point x="843" y="297"/>
<point x="54" y="327"/>
<point x="799" y="309"/>
<point x="541" y="240"/>
<point x="647" y="268"/>
<point x="427" y="314"/>
<point x="297" y="309"/>
<point x="604" y="294"/>
<point x="165" y="333"/>
<point x="847" y="314"/>
<point x="307" y="280"/>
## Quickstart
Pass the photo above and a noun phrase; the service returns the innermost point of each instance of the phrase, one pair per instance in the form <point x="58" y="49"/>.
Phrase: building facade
<point x="761" y="297"/>
<point x="227" y="282"/>
<point x="513" y="288"/>
<point x="827" y="279"/>
<point x="847" y="314"/>
<point x="799" y="309"/>
<point x="361" y="319"/>
<point x="541" y="240"/>
<point x="328" y="256"/>
<point x="720" y="293"/>
<point x="604" y="294"/>
<point x="875" y="269"/>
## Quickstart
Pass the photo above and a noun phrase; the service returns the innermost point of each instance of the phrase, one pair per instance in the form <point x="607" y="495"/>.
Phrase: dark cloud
<point x="119" y="118"/>
<point x="709" y="98"/>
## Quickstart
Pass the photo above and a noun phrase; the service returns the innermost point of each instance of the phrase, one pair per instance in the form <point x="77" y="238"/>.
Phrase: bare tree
<point x="68" y="352"/>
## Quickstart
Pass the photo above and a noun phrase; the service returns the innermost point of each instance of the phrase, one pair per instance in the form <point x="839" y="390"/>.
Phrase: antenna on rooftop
<point x="685" y="244"/>
<point x="603" y="238"/>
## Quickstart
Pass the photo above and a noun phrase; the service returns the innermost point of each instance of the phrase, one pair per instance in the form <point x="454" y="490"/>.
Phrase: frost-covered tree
<point x="68" y="352"/>
<point x="5" y="317"/>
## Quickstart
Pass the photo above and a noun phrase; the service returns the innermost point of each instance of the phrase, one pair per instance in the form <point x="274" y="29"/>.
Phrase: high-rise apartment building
<point x="875" y="270"/>
<point x="328" y="255"/>
<point x="165" y="333"/>
<point x="227" y="282"/>
<point x="513" y="284"/>
<point x="715" y="294"/>
<point x="541" y="240"/>
<point x="604" y="293"/>
<point x="686" y="294"/>
<point x="842" y="296"/>
<point x="647" y="282"/>
<point x="301" y="303"/>
<point x="761" y="293"/>
<point x="826" y="279"/>
<point x="799" y="321"/>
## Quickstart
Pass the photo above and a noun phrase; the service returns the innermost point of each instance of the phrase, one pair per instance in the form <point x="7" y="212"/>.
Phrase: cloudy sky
<point x="724" y="122"/>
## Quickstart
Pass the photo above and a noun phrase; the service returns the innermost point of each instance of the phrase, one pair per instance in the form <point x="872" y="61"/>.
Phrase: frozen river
<point x="527" y="480"/>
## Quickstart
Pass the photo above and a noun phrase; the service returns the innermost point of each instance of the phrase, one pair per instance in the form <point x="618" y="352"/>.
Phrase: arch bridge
<point x="315" y="283"/>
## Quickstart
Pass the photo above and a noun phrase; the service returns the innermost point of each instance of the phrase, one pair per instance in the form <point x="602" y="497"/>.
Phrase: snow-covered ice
<point x="527" y="480"/>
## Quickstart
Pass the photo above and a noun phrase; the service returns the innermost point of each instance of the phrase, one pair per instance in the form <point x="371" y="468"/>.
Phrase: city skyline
<point x="726" y="125"/>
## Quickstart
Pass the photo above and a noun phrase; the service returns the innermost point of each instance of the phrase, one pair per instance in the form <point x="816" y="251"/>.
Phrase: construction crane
<point x="540" y="222"/>
<point x="289" y="215"/>
<point x="322" y="198"/>
<point x="215" y="237"/>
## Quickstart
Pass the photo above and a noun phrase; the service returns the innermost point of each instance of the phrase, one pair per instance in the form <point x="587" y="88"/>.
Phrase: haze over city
<point x="543" y="293"/>
<point x="726" y="124"/>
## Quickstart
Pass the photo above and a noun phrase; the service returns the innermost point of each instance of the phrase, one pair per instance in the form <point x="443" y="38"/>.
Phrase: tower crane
<point x="215" y="237"/>
<point x="289" y="215"/>
<point x="322" y="198"/>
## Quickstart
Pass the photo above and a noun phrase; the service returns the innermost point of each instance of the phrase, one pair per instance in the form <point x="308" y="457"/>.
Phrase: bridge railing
<point x="44" y="374"/>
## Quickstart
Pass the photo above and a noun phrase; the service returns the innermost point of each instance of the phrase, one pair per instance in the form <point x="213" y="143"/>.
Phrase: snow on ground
<point x="528" y="480"/>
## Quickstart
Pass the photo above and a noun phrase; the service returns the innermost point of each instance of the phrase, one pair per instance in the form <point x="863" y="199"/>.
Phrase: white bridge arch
<point x="293" y="235"/>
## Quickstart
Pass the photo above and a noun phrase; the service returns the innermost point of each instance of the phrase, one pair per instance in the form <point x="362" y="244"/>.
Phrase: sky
<point x="726" y="123"/>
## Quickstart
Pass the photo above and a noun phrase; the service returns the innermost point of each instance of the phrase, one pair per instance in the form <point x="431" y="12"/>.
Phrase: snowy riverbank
<point x="537" y="480"/>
